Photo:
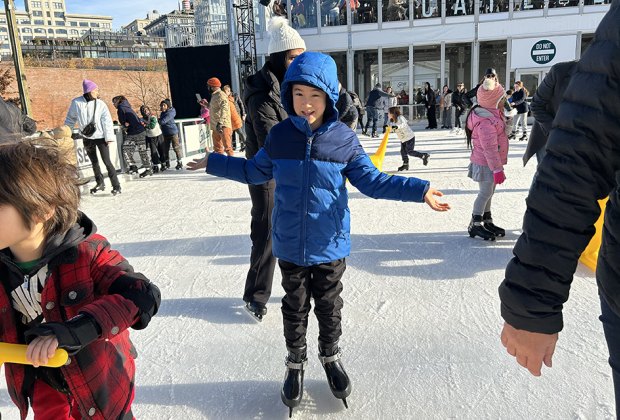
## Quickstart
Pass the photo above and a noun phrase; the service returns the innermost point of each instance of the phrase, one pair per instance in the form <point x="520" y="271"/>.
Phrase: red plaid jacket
<point x="87" y="279"/>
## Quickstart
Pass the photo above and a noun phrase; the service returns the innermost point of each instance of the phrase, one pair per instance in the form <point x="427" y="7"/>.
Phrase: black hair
<point x="89" y="96"/>
<point x="277" y="64"/>
<point x="468" y="131"/>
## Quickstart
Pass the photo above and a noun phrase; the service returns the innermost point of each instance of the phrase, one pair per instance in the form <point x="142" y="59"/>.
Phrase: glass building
<point x="405" y="43"/>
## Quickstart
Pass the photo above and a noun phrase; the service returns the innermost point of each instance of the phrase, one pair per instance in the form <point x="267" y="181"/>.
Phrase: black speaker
<point x="189" y="68"/>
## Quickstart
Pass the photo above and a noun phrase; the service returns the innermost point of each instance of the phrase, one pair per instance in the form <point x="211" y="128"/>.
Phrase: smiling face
<point x="309" y="103"/>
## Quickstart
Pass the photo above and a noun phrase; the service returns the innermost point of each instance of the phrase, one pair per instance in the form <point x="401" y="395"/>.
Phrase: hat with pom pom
<point x="283" y="37"/>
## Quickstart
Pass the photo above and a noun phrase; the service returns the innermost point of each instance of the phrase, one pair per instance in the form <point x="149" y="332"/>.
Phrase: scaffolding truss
<point x="246" y="38"/>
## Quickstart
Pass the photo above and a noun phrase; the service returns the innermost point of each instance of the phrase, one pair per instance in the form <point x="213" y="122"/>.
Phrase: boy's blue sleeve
<point x="365" y="176"/>
<point x="257" y="170"/>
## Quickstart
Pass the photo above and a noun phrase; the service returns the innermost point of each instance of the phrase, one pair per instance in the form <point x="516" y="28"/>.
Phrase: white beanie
<point x="283" y="37"/>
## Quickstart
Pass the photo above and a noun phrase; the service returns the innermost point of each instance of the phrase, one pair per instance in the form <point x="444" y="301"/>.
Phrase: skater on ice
<point x="407" y="139"/>
<point x="310" y="155"/>
<point x="65" y="288"/>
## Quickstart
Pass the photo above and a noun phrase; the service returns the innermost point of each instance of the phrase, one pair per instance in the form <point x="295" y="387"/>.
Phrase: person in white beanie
<point x="264" y="110"/>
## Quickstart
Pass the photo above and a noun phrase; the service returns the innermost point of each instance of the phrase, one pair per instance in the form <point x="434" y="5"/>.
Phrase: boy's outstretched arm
<point x="434" y="204"/>
<point x="199" y="163"/>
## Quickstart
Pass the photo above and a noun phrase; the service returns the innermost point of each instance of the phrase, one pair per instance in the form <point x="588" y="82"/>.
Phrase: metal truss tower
<point x="246" y="38"/>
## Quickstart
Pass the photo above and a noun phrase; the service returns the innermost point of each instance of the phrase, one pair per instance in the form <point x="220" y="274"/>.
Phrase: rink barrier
<point x="590" y="254"/>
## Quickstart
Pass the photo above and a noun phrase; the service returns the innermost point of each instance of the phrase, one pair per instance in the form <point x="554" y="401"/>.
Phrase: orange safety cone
<point x="590" y="254"/>
<point x="16" y="353"/>
<point x="378" y="157"/>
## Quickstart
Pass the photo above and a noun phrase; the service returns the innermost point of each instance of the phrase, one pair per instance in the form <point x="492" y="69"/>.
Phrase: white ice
<point x="421" y="319"/>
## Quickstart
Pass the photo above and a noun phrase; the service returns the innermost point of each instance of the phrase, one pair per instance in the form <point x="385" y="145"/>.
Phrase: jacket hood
<point x="264" y="81"/>
<point x="58" y="244"/>
<point x="125" y="106"/>
<point x="317" y="70"/>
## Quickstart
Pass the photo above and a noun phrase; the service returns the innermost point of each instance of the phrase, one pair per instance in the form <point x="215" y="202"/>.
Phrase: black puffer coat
<point x="545" y="104"/>
<point x="582" y="165"/>
<point x="347" y="112"/>
<point x="264" y="108"/>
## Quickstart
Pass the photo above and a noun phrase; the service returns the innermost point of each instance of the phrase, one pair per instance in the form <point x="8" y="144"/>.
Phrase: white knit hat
<point x="283" y="37"/>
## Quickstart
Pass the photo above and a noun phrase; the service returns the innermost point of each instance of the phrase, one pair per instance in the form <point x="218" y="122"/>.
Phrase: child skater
<point x="310" y="155"/>
<point x="406" y="137"/>
<point x="64" y="287"/>
<point x="486" y="132"/>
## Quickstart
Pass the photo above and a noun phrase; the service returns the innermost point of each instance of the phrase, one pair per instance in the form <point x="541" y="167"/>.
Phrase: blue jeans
<point x="611" y="327"/>
<point x="371" y="111"/>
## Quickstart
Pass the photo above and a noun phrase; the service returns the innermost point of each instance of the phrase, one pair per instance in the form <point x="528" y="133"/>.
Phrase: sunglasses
<point x="488" y="76"/>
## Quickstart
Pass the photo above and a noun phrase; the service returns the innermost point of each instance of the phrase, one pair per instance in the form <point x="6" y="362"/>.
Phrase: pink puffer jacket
<point x="489" y="140"/>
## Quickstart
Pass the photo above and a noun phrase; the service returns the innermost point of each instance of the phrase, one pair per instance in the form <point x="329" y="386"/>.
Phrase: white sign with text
<point x="543" y="51"/>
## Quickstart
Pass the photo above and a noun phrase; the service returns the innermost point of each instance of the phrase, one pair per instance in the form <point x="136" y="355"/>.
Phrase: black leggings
<point x="91" y="146"/>
<point x="407" y="149"/>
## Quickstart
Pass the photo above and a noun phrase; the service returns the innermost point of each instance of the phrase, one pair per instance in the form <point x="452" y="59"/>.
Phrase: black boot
<point x="293" y="388"/>
<point x="374" y="134"/>
<point x="364" y="132"/>
<point x="487" y="222"/>
<point x="329" y="355"/>
<point x="162" y="167"/>
<point x="133" y="169"/>
<point x="155" y="169"/>
<point x="179" y="165"/>
<point x="425" y="159"/>
<point x="477" y="229"/>
<point x="116" y="190"/>
<point x="404" y="167"/>
<point x="146" y="173"/>
<point x="257" y="310"/>
<point x="99" y="187"/>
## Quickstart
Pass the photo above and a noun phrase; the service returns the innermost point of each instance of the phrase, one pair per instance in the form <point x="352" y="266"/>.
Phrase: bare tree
<point x="147" y="87"/>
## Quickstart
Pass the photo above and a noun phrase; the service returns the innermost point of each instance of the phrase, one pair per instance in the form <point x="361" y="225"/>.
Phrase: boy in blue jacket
<point x="310" y="155"/>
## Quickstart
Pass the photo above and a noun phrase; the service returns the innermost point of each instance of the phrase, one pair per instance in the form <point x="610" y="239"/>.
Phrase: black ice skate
<point x="179" y="165"/>
<point x="293" y="388"/>
<point x="116" y="190"/>
<point x="257" y="310"/>
<point x="337" y="377"/>
<point x="523" y="137"/>
<point x="146" y="173"/>
<point x="162" y="167"/>
<point x="155" y="169"/>
<point x="98" y="187"/>
<point x="133" y="169"/>
<point x="425" y="158"/>
<point x="374" y="134"/>
<point x="487" y="222"/>
<point x="404" y="167"/>
<point x="477" y="229"/>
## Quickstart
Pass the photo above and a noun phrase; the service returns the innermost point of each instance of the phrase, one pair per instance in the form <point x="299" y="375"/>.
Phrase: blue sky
<point x="123" y="11"/>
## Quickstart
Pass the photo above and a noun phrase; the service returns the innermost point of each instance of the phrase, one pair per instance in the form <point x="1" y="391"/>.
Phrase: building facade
<point x="137" y="26"/>
<point x="43" y="20"/>
<point x="177" y="27"/>
<point x="405" y="43"/>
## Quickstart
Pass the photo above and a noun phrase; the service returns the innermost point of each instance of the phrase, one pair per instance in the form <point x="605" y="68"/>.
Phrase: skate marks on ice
<point x="218" y="310"/>
<point x="229" y="250"/>
<point x="235" y="400"/>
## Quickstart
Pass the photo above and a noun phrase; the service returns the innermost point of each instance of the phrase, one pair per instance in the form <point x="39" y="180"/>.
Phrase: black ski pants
<point x="407" y="149"/>
<point x="91" y="146"/>
<point x="320" y="282"/>
<point x="262" y="262"/>
<point x="432" y="116"/>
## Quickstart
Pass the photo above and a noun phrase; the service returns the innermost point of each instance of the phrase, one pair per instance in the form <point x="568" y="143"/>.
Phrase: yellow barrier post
<point x="16" y="353"/>
<point x="590" y="254"/>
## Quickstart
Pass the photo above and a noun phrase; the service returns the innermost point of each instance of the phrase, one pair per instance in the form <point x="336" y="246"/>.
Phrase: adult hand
<point x="434" y="204"/>
<point x="531" y="349"/>
<point x="199" y="163"/>
<point x="499" y="177"/>
<point x="41" y="349"/>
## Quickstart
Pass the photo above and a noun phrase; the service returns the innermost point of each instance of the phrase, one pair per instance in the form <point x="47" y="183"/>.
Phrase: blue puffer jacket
<point x="166" y="122"/>
<point x="310" y="221"/>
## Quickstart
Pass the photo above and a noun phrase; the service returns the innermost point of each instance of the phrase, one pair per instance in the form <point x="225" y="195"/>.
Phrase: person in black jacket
<point x="264" y="110"/>
<point x="581" y="166"/>
<point x="374" y="105"/>
<point x="430" y="101"/>
<point x="519" y="101"/>
<point x="545" y="104"/>
<point x="460" y="106"/>
<point x="347" y="112"/>
<point x="136" y="136"/>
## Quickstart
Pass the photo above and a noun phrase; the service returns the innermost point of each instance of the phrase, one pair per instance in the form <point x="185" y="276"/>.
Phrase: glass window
<point x="493" y="54"/>
<point x="395" y="10"/>
<point x="586" y="39"/>
<point x="59" y="14"/>
<point x="595" y="2"/>
<point x="61" y="31"/>
<point x="498" y="6"/>
<point x="520" y="5"/>
<point x="459" y="7"/>
<point x="39" y="22"/>
<point x="458" y="65"/>
<point x="365" y="72"/>
<point x="84" y="24"/>
<point x="427" y="66"/>
<point x="396" y="72"/>
<point x="94" y="25"/>
<point x="332" y="14"/>
<point x="60" y="23"/>
<point x="303" y="13"/>
<point x="341" y="64"/>
<point x="39" y="31"/>
<point x="563" y="3"/>
<point x="74" y="32"/>
<point x="366" y="12"/>
<point x="37" y="13"/>
<point x="427" y="9"/>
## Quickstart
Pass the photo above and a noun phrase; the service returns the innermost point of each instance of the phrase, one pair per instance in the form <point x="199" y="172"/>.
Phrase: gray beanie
<point x="283" y="37"/>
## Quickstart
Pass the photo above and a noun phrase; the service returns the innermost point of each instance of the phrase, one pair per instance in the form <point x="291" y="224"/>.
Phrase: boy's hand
<point x="530" y="349"/>
<point x="41" y="349"/>
<point x="434" y="204"/>
<point x="199" y="163"/>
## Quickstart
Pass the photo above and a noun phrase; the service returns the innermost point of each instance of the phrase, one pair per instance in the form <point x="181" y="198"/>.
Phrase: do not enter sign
<point x="543" y="51"/>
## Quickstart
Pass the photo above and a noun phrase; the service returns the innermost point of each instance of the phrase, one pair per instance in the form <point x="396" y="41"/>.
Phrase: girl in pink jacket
<point x="486" y="136"/>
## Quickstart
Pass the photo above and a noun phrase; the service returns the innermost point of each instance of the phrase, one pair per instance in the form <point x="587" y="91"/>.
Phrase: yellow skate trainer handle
<point x="16" y="353"/>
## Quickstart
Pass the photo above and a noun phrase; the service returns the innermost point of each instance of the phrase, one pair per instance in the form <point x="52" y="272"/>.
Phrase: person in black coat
<point x="581" y="166"/>
<point x="347" y="112"/>
<point x="544" y="106"/>
<point x="135" y="138"/>
<point x="430" y="101"/>
<point x="264" y="110"/>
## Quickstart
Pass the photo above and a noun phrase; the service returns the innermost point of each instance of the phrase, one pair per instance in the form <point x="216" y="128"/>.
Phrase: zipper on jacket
<point x="304" y="190"/>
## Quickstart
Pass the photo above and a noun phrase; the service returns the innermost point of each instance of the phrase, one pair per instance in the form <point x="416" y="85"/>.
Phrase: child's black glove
<point x="394" y="127"/>
<point x="72" y="335"/>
